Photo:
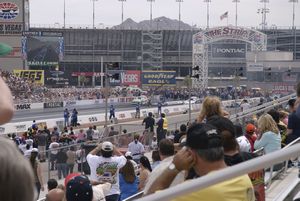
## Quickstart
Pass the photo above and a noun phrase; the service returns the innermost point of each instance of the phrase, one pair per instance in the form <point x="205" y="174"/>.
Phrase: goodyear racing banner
<point x="158" y="78"/>
<point x="37" y="76"/>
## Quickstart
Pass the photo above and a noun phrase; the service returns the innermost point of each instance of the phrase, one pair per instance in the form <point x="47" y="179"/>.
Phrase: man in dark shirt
<point x="293" y="131"/>
<point x="61" y="163"/>
<point x="41" y="138"/>
<point x="149" y="128"/>
<point x="183" y="130"/>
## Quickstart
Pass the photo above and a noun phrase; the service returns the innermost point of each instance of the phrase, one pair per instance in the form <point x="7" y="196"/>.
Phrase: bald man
<point x="56" y="194"/>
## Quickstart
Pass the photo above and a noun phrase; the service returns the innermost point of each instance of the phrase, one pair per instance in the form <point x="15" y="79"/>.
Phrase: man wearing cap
<point x="105" y="168"/>
<point x="204" y="152"/>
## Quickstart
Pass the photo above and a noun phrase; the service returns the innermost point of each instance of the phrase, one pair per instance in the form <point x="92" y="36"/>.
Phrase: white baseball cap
<point x="128" y="153"/>
<point x="35" y="150"/>
<point x="107" y="146"/>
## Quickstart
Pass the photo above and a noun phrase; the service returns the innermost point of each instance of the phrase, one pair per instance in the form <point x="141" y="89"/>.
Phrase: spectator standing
<point x="74" y="118"/>
<point x="61" y="163"/>
<point x="66" y="117"/>
<point x="27" y="151"/>
<point x="159" y="105"/>
<point x="128" y="181"/>
<point x="112" y="112"/>
<point x="145" y="172"/>
<point x="37" y="170"/>
<point x="55" y="132"/>
<point x="42" y="142"/>
<point x="81" y="136"/>
<point x="71" y="154"/>
<point x="105" y="168"/>
<point x="112" y="132"/>
<point x="245" y="105"/>
<point x="211" y="106"/>
<point x="34" y="126"/>
<point x="90" y="133"/>
<point x="81" y="159"/>
<point x="53" y="148"/>
<point x="137" y="111"/>
<point x="136" y="148"/>
<point x="162" y="128"/>
<point x="96" y="133"/>
<point x="149" y="122"/>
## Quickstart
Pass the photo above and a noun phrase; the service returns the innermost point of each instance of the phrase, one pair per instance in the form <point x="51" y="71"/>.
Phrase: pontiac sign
<point x="228" y="50"/>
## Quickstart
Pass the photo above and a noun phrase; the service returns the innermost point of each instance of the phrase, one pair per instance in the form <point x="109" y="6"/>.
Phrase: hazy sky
<point x="108" y="12"/>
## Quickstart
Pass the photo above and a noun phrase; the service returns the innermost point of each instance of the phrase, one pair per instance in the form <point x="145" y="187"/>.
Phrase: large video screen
<point x="43" y="49"/>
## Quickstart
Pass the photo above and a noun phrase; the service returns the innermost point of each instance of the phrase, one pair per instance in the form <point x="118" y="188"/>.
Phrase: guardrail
<point x="225" y="174"/>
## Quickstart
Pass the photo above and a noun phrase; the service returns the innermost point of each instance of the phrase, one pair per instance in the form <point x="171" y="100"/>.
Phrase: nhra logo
<point x="8" y="10"/>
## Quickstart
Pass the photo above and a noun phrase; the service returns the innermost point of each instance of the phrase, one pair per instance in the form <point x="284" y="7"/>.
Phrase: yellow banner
<point x="36" y="76"/>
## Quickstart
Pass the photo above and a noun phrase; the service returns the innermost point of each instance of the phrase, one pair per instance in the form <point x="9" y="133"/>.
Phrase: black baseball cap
<point x="203" y="136"/>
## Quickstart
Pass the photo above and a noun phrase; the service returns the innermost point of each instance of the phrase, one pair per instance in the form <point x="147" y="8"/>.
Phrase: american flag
<point x="225" y="15"/>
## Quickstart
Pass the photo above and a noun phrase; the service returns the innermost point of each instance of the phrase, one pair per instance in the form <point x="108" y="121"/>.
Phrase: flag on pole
<point x="225" y="15"/>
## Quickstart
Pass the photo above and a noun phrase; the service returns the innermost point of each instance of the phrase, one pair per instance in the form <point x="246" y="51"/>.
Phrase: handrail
<point x="261" y="108"/>
<point x="135" y="196"/>
<point x="225" y="174"/>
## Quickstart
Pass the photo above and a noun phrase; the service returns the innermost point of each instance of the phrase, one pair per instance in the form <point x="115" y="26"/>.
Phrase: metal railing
<point x="225" y="174"/>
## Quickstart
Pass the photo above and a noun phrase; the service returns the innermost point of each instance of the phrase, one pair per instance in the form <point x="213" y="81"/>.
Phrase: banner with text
<point x="228" y="50"/>
<point x="36" y="76"/>
<point x="158" y="78"/>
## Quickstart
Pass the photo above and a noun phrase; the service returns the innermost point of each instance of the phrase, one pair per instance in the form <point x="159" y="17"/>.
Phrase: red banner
<point x="131" y="78"/>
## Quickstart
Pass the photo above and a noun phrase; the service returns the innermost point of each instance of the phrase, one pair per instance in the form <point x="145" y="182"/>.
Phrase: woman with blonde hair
<point x="211" y="106"/>
<point x="269" y="137"/>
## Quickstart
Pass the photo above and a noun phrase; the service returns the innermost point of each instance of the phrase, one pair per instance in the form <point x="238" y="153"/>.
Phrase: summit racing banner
<point x="158" y="78"/>
<point x="37" y="76"/>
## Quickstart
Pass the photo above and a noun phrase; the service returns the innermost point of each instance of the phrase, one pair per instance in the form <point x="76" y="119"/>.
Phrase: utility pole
<point x="122" y="11"/>
<point x="94" y="13"/>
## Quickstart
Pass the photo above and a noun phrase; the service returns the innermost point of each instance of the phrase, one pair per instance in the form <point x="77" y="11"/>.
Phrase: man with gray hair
<point x="204" y="153"/>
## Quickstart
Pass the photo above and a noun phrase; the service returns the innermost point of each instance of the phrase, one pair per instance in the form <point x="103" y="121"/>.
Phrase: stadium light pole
<point x="64" y="14"/>
<point x="294" y="2"/>
<point x="207" y="12"/>
<point x="236" y="12"/>
<point x="150" y="1"/>
<point x="122" y="17"/>
<point x="264" y="12"/>
<point x="94" y="12"/>
<point x="179" y="35"/>
<point x="293" y="24"/>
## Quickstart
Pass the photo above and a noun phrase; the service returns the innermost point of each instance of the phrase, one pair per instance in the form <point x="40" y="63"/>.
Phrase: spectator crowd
<point x="105" y="172"/>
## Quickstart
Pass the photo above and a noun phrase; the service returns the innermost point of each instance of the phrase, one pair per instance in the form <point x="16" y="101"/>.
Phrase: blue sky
<point x="108" y="12"/>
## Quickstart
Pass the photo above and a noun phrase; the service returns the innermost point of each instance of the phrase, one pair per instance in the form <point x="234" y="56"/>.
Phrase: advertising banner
<point x="126" y="78"/>
<point x="228" y="50"/>
<point x="158" y="78"/>
<point x="290" y="77"/>
<point x="54" y="105"/>
<point x="131" y="78"/>
<point x="283" y="88"/>
<point x="37" y="76"/>
<point x="254" y="67"/>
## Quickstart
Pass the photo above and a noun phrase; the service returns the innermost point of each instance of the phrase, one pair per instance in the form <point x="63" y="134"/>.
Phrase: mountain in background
<point x="159" y="23"/>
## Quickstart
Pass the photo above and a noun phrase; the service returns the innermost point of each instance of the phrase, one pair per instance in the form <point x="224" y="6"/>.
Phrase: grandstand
<point x="142" y="49"/>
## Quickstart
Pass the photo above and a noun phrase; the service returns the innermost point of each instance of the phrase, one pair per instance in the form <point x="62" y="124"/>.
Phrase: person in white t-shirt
<point x="53" y="147"/>
<point x="245" y="105"/>
<point x="136" y="148"/>
<point x="28" y="150"/>
<point x="105" y="168"/>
